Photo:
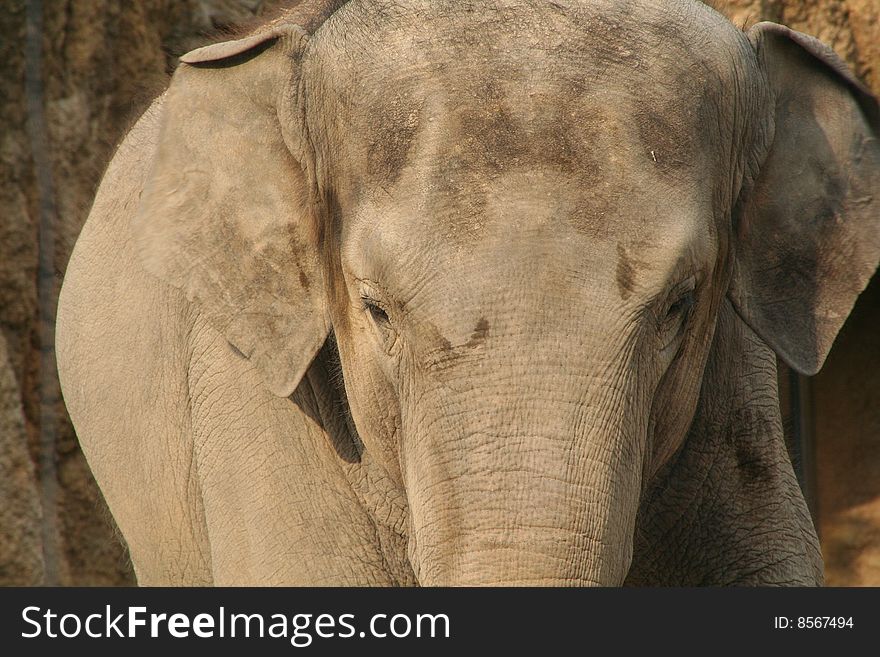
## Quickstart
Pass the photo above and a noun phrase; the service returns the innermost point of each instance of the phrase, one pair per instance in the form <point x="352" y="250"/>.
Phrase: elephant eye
<point x="682" y="297"/>
<point x="376" y="311"/>
<point x="681" y="307"/>
<point x="677" y="313"/>
<point x="386" y="332"/>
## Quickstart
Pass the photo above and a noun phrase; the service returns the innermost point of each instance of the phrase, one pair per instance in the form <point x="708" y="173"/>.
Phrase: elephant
<point x="460" y="293"/>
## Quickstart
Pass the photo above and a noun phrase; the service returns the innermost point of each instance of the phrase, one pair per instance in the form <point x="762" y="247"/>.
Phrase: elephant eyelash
<point x="377" y="312"/>
<point x="380" y="318"/>
<point x="682" y="306"/>
<point x="684" y="295"/>
<point x="678" y="313"/>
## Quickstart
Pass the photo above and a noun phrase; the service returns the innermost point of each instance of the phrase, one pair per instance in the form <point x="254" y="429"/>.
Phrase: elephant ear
<point x="224" y="215"/>
<point x="809" y="227"/>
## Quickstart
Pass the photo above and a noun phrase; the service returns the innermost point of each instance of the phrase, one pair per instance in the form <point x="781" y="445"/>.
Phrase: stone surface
<point x="21" y="553"/>
<point x="846" y="412"/>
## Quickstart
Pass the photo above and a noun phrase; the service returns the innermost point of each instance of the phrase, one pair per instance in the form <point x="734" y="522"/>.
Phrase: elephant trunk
<point x="545" y="493"/>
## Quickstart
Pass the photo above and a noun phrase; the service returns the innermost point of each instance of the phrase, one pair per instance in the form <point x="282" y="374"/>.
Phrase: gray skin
<point x="446" y="293"/>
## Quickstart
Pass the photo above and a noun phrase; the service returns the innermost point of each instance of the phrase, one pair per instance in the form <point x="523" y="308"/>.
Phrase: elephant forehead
<point x="558" y="85"/>
<point x="534" y="233"/>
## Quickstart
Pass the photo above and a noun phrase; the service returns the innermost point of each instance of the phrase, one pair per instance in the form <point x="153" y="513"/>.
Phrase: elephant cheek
<point x="373" y="404"/>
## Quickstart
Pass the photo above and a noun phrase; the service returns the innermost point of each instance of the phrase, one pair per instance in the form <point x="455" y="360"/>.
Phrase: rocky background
<point x="75" y="73"/>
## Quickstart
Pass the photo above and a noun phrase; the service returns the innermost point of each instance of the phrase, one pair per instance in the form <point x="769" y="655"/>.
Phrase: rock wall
<point x="71" y="89"/>
<point x="846" y="412"/>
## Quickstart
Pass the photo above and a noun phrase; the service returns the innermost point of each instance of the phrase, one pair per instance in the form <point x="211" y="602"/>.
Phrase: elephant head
<point x="524" y="225"/>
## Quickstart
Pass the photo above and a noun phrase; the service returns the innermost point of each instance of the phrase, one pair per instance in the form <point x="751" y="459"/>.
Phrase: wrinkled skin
<point x="426" y="292"/>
